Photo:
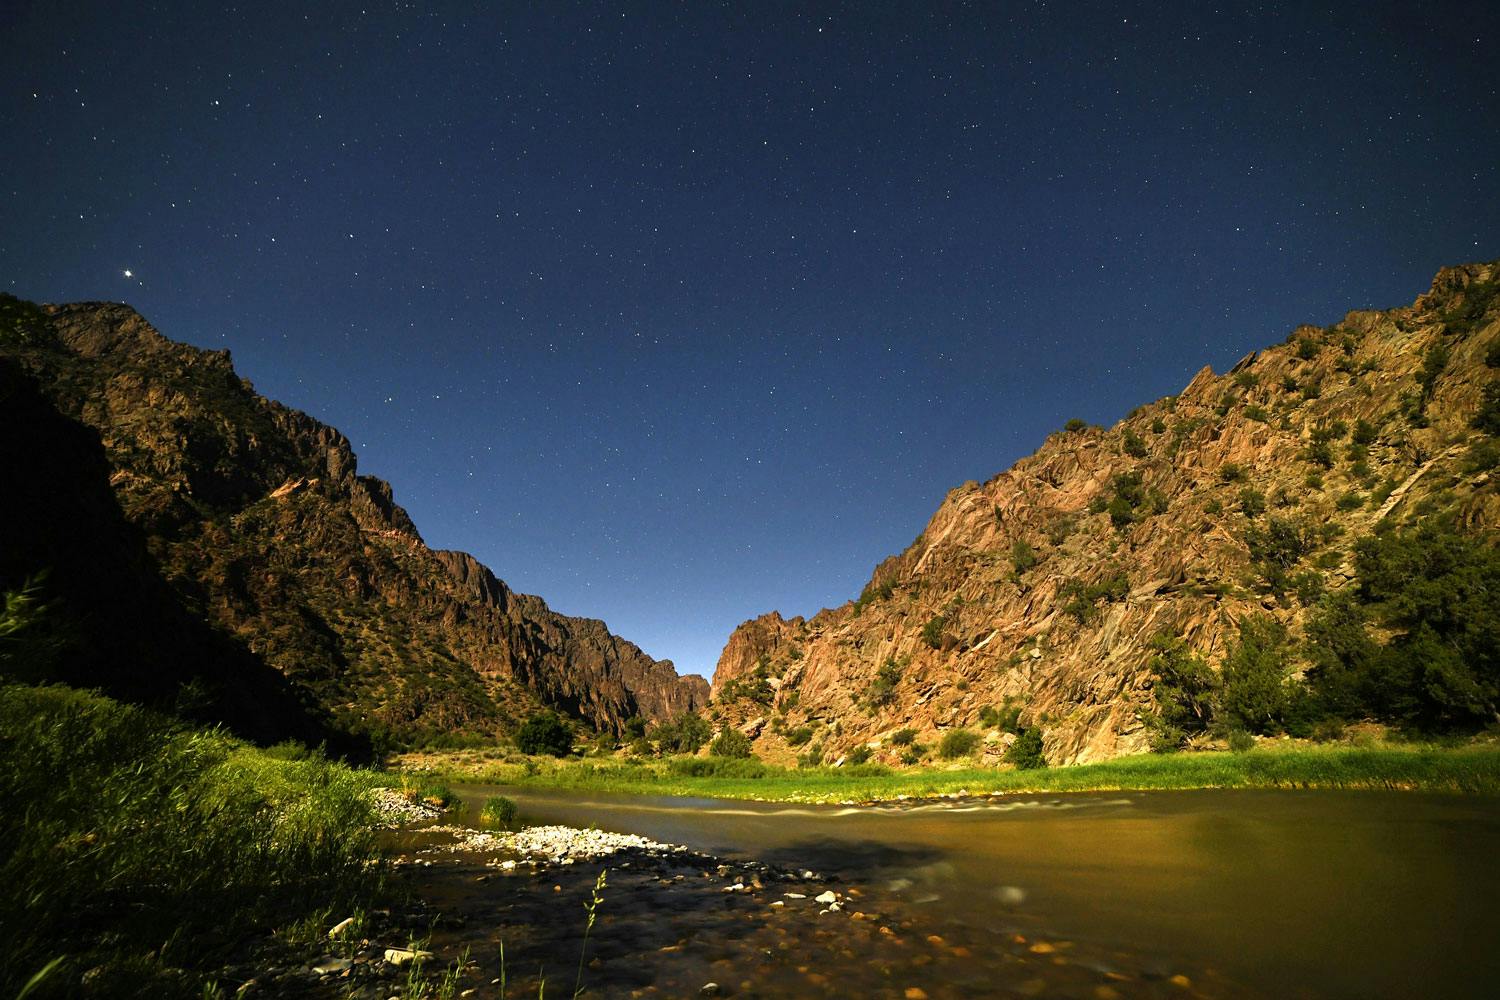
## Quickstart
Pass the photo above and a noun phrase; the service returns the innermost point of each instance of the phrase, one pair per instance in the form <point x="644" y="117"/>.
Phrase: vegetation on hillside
<point x="1415" y="642"/>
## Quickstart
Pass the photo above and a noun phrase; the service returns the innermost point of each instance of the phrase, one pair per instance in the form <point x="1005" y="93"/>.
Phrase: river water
<point x="1284" y="894"/>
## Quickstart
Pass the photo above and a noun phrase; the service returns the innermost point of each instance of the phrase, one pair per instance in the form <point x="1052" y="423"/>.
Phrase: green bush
<point x="859" y="755"/>
<point x="498" y="811"/>
<point x="716" y="767"/>
<point x="799" y="736"/>
<point x="1255" y="683"/>
<point x="1022" y="556"/>
<point x="957" y="743"/>
<point x="882" y="690"/>
<point x="1026" y="752"/>
<point x="1185" y="690"/>
<point x="932" y="632"/>
<point x="685" y="734"/>
<point x="1252" y="502"/>
<point x="730" y="743"/>
<point x="1132" y="444"/>
<point x="1431" y="588"/>
<point x="903" y="737"/>
<point x="545" y="733"/>
<point x="1075" y="425"/>
<point x="1241" y="741"/>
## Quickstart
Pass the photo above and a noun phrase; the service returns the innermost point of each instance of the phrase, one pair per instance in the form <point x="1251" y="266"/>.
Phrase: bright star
<point x="129" y="273"/>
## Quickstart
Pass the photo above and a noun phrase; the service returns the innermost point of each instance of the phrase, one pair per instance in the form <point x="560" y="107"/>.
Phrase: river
<point x="1317" y="894"/>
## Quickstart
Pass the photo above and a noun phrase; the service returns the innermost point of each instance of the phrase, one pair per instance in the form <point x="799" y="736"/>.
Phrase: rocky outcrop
<point x="258" y="518"/>
<point x="758" y="642"/>
<point x="1044" y="586"/>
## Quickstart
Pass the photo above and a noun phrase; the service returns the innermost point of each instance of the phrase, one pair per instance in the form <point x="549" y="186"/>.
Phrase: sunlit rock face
<point x="1045" y="585"/>
<point x="257" y="516"/>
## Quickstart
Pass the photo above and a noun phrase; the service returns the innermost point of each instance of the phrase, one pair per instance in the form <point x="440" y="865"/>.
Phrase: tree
<point x="1254" y="676"/>
<point x="685" y="734"/>
<point x="545" y="732"/>
<point x="1186" y="690"/>
<point x="1026" y="752"/>
<point x="730" y="743"/>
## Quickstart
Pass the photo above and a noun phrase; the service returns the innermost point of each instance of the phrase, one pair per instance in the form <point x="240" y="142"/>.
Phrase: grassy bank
<point x="1467" y="770"/>
<point x="136" y="853"/>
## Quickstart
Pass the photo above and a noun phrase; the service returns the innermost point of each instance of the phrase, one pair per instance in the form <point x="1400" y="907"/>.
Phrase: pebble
<point x="400" y="956"/>
<point x="825" y="897"/>
<point x="340" y="927"/>
<point x="709" y="990"/>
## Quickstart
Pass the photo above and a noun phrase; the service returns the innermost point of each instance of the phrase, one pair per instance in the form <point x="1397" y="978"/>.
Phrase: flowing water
<point x="1317" y="894"/>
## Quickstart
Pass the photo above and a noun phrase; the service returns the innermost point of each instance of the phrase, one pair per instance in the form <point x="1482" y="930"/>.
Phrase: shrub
<point x="498" y="811"/>
<point x="932" y="632"/>
<point x="859" y="755"/>
<point x="799" y="736"/>
<point x="1488" y="417"/>
<point x="634" y="728"/>
<point x="1075" y="426"/>
<point x="1257" y="413"/>
<point x="730" y="743"/>
<point x="1133" y="445"/>
<point x="1241" y="741"/>
<point x="1364" y="433"/>
<point x="1185" y="690"/>
<point x="545" y="733"/>
<point x="1307" y="348"/>
<point x="1320" y="453"/>
<point x="1026" y="752"/>
<point x="685" y="734"/>
<point x="1022" y="556"/>
<point x="957" y="743"/>
<point x="1434" y="360"/>
<point x="716" y="767"/>
<point x="1255" y="690"/>
<point x="903" y="737"/>
<point x="1081" y="600"/>
<point x="882" y="690"/>
<point x="1252" y="502"/>
<point x="1231" y="472"/>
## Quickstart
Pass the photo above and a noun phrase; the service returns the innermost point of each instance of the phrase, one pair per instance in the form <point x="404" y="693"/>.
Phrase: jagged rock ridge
<point x="259" y="519"/>
<point x="1045" y="585"/>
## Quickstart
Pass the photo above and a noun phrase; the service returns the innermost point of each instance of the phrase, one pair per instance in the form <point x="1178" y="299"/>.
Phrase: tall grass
<point x="1468" y="770"/>
<point x="138" y="851"/>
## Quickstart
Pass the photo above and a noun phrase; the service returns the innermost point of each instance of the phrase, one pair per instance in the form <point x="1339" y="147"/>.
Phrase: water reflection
<point x="1311" y="893"/>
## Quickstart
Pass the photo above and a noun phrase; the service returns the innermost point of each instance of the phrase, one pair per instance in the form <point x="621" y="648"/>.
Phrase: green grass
<point x="1467" y="770"/>
<point x="140" y="851"/>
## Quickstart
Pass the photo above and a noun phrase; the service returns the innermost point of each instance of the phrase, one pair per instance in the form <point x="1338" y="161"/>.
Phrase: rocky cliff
<point x="1043" y="588"/>
<point x="258" y="518"/>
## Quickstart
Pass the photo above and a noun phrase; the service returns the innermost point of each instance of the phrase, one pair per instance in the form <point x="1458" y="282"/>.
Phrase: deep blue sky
<point x="675" y="314"/>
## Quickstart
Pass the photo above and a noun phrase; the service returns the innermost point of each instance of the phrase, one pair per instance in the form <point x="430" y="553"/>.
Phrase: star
<point x="128" y="273"/>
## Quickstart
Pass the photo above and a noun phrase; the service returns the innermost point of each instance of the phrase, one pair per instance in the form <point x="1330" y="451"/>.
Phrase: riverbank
<point x="1469" y="770"/>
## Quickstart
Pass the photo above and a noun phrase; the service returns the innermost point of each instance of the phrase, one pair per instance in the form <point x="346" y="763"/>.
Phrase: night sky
<point x="676" y="314"/>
